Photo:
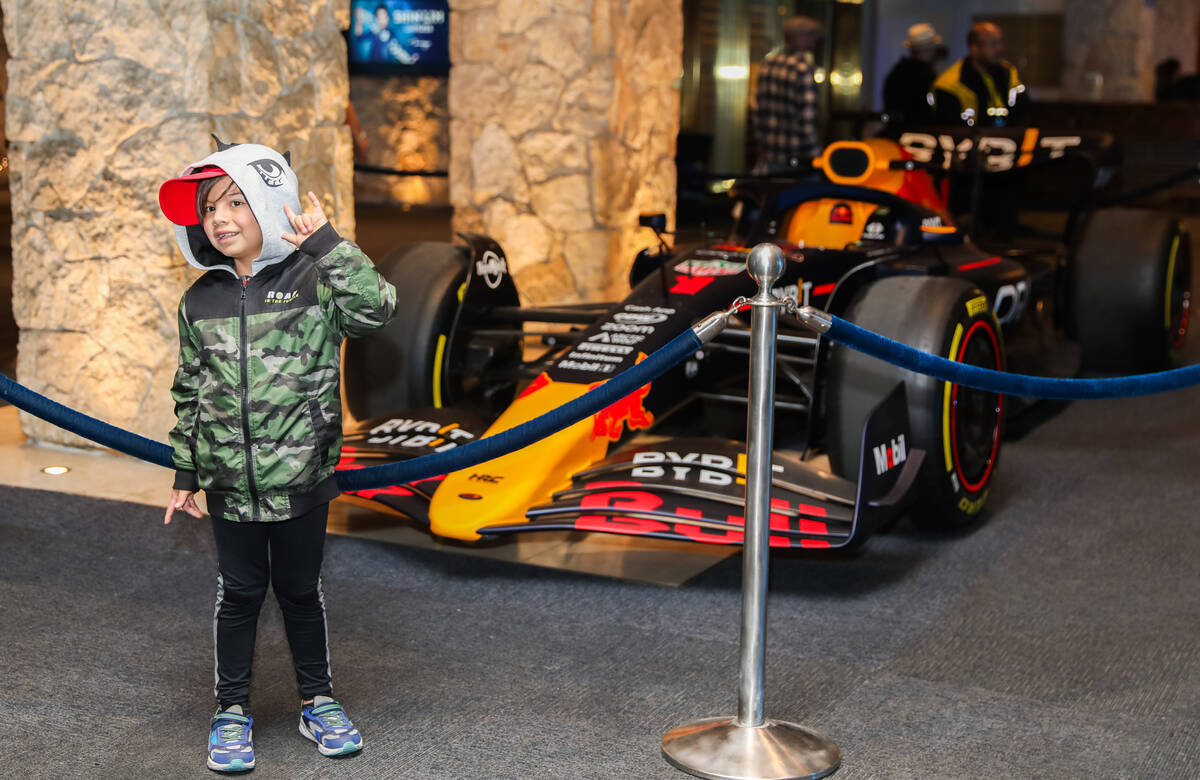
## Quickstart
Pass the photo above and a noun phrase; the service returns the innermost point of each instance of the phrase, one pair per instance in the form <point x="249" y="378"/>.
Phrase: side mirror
<point x="941" y="234"/>
<point x="656" y="222"/>
<point x="647" y="262"/>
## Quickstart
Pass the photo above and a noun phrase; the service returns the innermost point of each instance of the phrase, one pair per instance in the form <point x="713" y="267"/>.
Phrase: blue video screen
<point x="399" y="36"/>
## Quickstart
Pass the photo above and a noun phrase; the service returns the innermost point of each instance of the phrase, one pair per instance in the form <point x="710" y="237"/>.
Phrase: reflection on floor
<point x="92" y="473"/>
<point x="121" y="478"/>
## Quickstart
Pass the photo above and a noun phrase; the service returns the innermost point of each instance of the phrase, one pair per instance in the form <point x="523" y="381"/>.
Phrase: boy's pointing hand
<point x="304" y="224"/>
<point x="184" y="500"/>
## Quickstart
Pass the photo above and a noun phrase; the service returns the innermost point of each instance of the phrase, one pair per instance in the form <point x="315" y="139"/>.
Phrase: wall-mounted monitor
<point x="399" y="37"/>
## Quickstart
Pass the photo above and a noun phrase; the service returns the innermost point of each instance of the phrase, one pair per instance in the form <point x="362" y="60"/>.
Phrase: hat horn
<point x="221" y="145"/>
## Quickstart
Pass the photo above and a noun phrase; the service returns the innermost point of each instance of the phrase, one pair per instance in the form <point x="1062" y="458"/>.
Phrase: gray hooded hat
<point x="267" y="181"/>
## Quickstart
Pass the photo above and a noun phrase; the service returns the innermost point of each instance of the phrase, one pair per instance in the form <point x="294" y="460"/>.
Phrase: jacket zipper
<point x="245" y="391"/>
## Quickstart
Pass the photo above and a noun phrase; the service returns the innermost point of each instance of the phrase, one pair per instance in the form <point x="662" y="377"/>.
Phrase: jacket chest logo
<point x="277" y="296"/>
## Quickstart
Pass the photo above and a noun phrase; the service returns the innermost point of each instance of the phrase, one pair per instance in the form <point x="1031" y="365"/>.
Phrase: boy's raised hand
<point x="304" y="224"/>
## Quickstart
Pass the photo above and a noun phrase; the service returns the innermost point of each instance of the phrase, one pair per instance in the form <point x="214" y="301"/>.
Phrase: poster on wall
<point x="399" y="36"/>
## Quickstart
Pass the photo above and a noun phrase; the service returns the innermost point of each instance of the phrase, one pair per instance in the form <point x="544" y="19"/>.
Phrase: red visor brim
<point x="177" y="197"/>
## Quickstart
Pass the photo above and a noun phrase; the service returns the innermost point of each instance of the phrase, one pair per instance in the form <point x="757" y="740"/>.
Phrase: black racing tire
<point x="1129" y="290"/>
<point x="392" y="369"/>
<point x="959" y="428"/>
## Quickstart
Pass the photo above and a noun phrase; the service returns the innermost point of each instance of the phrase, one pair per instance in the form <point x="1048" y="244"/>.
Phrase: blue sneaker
<point x="231" y="741"/>
<point x="326" y="723"/>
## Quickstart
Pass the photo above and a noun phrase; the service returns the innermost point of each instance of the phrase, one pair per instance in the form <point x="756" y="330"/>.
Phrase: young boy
<point x="258" y="405"/>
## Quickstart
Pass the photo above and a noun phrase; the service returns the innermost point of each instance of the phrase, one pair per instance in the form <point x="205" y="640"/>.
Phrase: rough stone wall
<point x="3" y="94"/>
<point x="1122" y="40"/>
<point x="640" y="176"/>
<point x="1175" y="33"/>
<point x="1106" y="37"/>
<point x="105" y="101"/>
<point x="407" y="123"/>
<point x="563" y="117"/>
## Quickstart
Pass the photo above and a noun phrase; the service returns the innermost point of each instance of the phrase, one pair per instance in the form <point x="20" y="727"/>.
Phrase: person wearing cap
<point x="981" y="89"/>
<point x="258" y="410"/>
<point x="784" y="115"/>
<point x="906" y="98"/>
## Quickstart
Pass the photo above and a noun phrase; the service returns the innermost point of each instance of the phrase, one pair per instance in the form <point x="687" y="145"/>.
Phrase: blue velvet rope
<point x="617" y="388"/>
<point x="476" y="452"/>
<point x="81" y="424"/>
<point x="538" y="428"/>
<point x="902" y="355"/>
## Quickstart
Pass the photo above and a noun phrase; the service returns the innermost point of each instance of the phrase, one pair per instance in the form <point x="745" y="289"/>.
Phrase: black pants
<point x="287" y="555"/>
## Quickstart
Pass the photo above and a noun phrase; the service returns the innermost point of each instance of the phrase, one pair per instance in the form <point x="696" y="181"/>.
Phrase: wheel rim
<point x="975" y="415"/>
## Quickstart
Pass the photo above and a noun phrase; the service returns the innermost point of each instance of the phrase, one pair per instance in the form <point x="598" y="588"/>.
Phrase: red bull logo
<point x="841" y="214"/>
<point x="630" y="411"/>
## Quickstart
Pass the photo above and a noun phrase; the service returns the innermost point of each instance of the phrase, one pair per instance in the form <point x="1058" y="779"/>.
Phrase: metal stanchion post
<point x="750" y="747"/>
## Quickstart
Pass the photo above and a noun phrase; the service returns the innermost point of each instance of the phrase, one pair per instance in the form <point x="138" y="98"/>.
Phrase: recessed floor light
<point x="55" y="470"/>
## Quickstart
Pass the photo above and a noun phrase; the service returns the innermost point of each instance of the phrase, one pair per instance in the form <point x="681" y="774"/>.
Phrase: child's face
<point x="229" y="223"/>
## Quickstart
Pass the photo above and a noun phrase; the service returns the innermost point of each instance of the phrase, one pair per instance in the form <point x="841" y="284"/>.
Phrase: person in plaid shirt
<point x="785" y="101"/>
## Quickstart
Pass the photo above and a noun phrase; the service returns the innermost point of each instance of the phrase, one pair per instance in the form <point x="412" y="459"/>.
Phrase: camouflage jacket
<point x="257" y="394"/>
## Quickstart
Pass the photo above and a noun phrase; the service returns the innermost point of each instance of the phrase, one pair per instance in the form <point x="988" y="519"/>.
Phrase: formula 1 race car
<point x="867" y="235"/>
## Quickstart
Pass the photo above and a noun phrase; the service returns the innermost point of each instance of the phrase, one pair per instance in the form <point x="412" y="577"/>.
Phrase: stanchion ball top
<point x="765" y="264"/>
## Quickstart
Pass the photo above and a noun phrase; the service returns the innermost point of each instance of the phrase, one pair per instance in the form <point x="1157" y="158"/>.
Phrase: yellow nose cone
<point x="500" y="490"/>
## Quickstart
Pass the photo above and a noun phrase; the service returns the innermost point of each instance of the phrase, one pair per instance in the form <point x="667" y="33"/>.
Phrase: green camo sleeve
<point x="184" y="392"/>
<point x="359" y="298"/>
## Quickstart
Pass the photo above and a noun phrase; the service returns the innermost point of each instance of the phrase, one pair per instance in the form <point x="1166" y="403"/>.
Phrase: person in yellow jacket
<point x="981" y="89"/>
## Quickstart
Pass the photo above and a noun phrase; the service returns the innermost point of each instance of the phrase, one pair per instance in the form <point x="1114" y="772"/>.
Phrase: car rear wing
<point x="998" y="149"/>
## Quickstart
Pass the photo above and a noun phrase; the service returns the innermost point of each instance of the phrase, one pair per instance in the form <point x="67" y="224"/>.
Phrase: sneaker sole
<point x="344" y="750"/>
<point x="236" y="765"/>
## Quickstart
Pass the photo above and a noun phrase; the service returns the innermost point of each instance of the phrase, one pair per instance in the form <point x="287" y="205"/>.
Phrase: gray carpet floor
<point x="1058" y="638"/>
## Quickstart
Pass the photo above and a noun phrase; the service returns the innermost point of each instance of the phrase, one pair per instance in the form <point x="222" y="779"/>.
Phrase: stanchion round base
<point x="719" y="749"/>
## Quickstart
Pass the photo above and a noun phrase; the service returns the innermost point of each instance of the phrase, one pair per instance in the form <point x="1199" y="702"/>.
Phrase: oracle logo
<point x="638" y="318"/>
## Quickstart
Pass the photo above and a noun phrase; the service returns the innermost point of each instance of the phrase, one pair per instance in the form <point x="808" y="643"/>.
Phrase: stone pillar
<point x="1122" y="41"/>
<point x="1110" y="38"/>
<point x="563" y="118"/>
<point x="105" y="101"/>
<point x="1176" y="33"/>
